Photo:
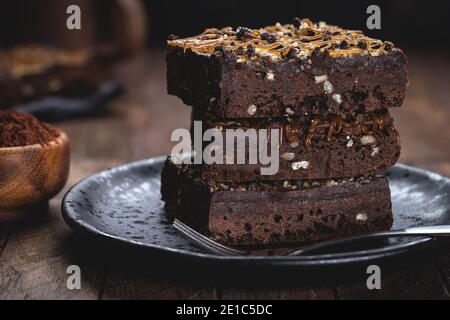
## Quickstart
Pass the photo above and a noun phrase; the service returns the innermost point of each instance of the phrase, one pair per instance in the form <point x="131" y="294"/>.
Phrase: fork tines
<point x="206" y="242"/>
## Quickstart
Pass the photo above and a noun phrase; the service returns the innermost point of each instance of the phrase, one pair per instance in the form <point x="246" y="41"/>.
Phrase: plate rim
<point x="304" y="260"/>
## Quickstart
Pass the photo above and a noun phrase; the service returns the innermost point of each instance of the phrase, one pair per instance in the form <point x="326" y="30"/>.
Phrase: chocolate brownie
<point x="32" y="71"/>
<point x="276" y="212"/>
<point x="285" y="70"/>
<point x="318" y="147"/>
<point x="311" y="147"/>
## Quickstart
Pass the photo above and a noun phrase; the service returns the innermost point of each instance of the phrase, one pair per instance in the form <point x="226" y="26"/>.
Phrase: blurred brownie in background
<point x="29" y="72"/>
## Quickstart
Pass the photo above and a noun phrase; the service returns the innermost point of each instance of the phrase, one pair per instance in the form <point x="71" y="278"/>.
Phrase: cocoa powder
<point x="21" y="129"/>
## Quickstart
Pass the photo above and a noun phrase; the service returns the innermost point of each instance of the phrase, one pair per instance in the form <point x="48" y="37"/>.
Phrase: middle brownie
<point x="313" y="147"/>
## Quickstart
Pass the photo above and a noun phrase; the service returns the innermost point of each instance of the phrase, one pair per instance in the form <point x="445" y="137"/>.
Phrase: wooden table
<point x="34" y="255"/>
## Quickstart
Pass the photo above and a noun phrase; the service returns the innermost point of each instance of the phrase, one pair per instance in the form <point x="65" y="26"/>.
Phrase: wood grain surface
<point x="34" y="255"/>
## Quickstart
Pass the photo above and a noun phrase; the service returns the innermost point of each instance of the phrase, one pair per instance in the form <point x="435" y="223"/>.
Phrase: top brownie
<point x="282" y="70"/>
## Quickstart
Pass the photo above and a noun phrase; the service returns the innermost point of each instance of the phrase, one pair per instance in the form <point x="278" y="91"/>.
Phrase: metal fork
<point x="215" y="247"/>
<point x="206" y="242"/>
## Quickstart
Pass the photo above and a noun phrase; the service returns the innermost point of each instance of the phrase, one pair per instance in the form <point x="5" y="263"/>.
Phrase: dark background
<point x="406" y="22"/>
<point x="414" y="24"/>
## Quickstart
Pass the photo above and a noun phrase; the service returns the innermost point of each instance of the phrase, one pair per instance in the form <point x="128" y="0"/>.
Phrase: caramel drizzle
<point x="291" y="132"/>
<point x="372" y="123"/>
<point x="336" y="125"/>
<point x="308" y="37"/>
<point x="312" y="127"/>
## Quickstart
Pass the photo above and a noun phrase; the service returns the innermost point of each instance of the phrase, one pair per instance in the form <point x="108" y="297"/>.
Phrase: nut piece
<point x="362" y="217"/>
<point x="224" y="186"/>
<point x="375" y="151"/>
<point x="270" y="76"/>
<point x="321" y="79"/>
<point x="368" y="140"/>
<point x="328" y="87"/>
<point x="300" y="165"/>
<point x="252" y="109"/>
<point x="331" y="183"/>
<point x="289" y="111"/>
<point x="302" y="55"/>
<point x="350" y="143"/>
<point x="337" y="97"/>
<point x="274" y="57"/>
<point x="288" y="156"/>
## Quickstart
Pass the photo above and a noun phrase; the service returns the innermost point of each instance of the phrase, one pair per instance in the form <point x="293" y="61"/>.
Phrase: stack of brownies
<point x="328" y="91"/>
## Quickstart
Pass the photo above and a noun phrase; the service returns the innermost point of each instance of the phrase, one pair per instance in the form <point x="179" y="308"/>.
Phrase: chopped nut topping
<point x="302" y="55"/>
<point x="350" y="143"/>
<point x="362" y="217"/>
<point x="274" y="57"/>
<point x="368" y="140"/>
<point x="321" y="79"/>
<point x="289" y="111"/>
<point x="252" y="109"/>
<point x="288" y="156"/>
<point x="284" y="41"/>
<point x="337" y="97"/>
<point x="224" y="186"/>
<point x="331" y="183"/>
<point x="300" y="165"/>
<point x="270" y="76"/>
<point x="375" y="151"/>
<point x="328" y="87"/>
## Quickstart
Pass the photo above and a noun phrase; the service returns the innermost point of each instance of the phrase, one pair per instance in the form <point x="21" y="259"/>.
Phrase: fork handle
<point x="433" y="232"/>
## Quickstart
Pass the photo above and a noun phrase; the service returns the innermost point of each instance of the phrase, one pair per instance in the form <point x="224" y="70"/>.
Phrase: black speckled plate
<point x="123" y="205"/>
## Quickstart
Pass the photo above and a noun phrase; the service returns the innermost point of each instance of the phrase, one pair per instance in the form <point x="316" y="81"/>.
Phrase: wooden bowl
<point x="30" y="176"/>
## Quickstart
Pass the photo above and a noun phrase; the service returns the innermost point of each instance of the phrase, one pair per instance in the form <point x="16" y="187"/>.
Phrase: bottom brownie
<point x="276" y="212"/>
